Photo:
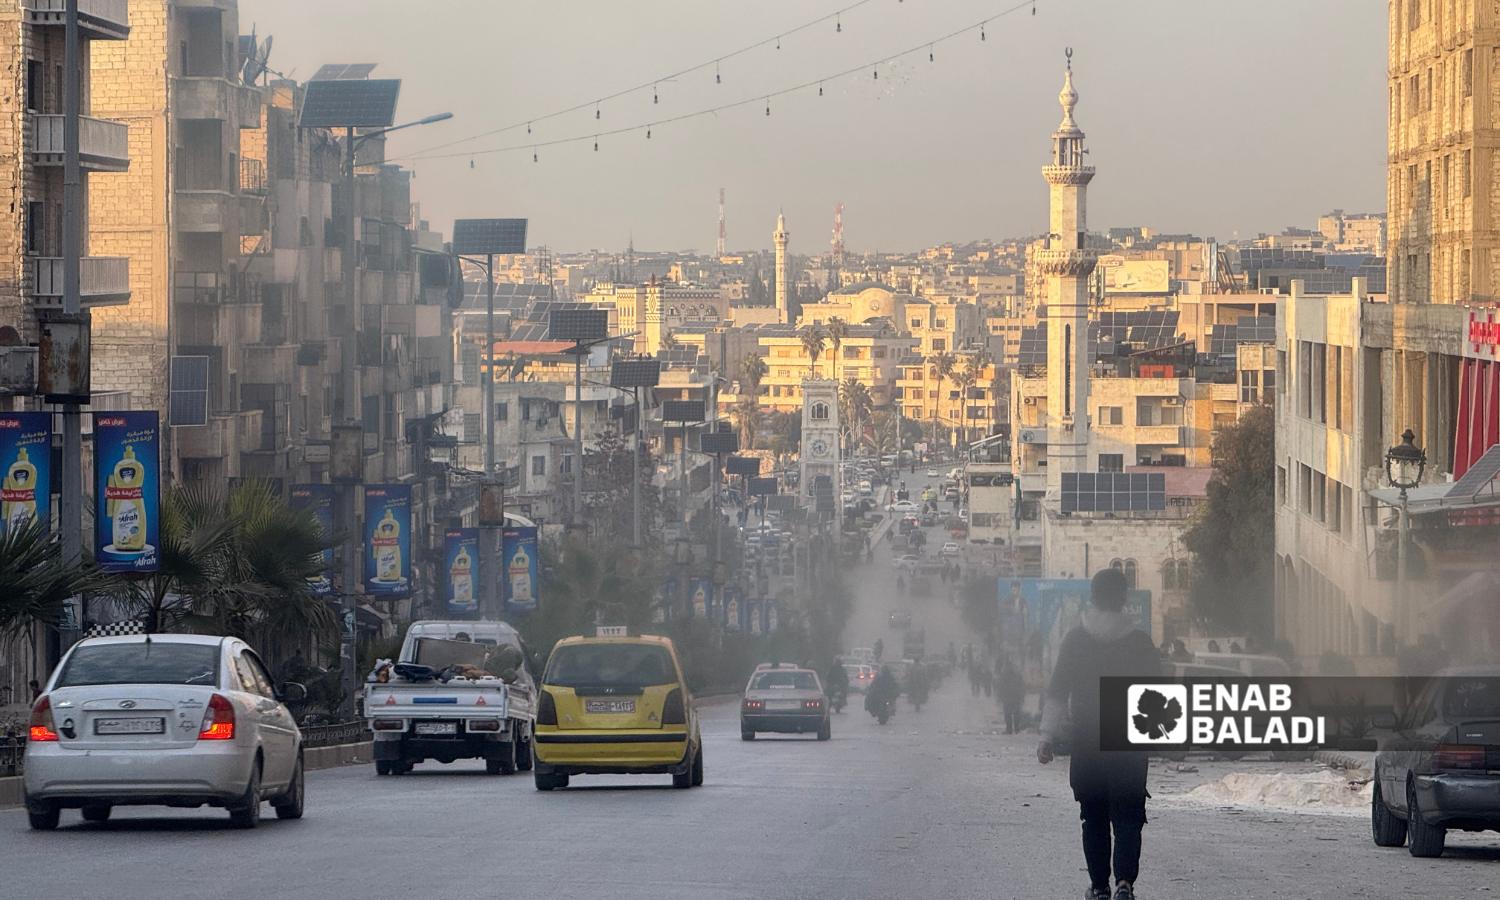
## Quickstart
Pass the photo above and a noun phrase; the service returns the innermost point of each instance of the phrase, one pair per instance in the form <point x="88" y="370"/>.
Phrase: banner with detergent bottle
<point x="388" y="539"/>
<point x="127" y="490"/>
<point x="25" y="469"/>
<point x="461" y="568"/>
<point x="519" y="565"/>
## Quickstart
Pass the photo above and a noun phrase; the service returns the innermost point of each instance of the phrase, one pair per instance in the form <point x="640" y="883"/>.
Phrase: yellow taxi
<point x="616" y="704"/>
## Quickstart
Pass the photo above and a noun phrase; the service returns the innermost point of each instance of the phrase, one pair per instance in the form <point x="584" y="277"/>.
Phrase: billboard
<point x="1135" y="276"/>
<point x="730" y="609"/>
<point x="519" y="563"/>
<point x="772" y="614"/>
<point x="1047" y="608"/>
<point x="26" y="464"/>
<point x="388" y="539"/>
<point x="701" y="595"/>
<point x="753" y="623"/>
<point x="460" y="567"/>
<point x="318" y="499"/>
<point x="127" y="485"/>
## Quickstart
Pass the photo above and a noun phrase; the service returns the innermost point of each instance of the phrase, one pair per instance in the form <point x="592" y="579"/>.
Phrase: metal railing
<point x="97" y="276"/>
<point x="334" y="733"/>
<point x="252" y="177"/>
<point x="12" y="749"/>
<point x="116" y="11"/>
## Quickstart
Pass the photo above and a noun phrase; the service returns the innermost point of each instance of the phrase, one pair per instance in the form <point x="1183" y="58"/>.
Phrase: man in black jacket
<point x="1110" y="787"/>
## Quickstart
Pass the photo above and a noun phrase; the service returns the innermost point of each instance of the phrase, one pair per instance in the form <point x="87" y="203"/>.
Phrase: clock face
<point x="819" y="447"/>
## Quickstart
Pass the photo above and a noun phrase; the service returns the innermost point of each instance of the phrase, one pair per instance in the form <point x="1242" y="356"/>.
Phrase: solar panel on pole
<point x="578" y="325"/>
<point x="635" y="373"/>
<point x="1481" y="473"/>
<point x="743" y="465"/>
<point x="682" y="411"/>
<point x="350" y="104"/>
<point x="477" y="237"/>
<point x="719" y="442"/>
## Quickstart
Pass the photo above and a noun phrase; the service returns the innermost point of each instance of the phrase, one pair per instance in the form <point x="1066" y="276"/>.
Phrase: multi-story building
<point x="869" y="354"/>
<point x="31" y="264"/>
<point x="653" y="311"/>
<point x="966" y="405"/>
<point x="1353" y="232"/>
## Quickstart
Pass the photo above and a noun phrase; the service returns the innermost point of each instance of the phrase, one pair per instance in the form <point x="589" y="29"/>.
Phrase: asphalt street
<point x="933" y="805"/>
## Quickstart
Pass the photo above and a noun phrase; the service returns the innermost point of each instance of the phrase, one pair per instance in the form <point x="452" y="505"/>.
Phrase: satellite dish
<point x="259" y="56"/>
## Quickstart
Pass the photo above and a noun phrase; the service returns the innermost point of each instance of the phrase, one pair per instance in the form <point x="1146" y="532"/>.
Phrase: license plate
<point x="784" y="705"/>
<point x="609" y="706"/>
<point x="130" y="726"/>
<point x="437" y="728"/>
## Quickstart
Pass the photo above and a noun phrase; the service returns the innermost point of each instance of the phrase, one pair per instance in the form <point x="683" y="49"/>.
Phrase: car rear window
<point x="1473" y="698"/>
<point x="153" y="662"/>
<point x="636" y="665"/>
<point x="794" y="681"/>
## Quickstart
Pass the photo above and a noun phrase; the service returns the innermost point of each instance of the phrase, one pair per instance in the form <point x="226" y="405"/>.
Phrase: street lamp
<point x="1404" y="464"/>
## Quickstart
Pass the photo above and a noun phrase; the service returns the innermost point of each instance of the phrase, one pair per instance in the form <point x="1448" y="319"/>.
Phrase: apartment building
<point x="869" y="354"/>
<point x="31" y="136"/>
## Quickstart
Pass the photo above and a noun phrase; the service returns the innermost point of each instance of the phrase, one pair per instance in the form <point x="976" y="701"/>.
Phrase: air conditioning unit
<point x="1172" y="401"/>
<point x="1029" y="401"/>
<point x="18" y="369"/>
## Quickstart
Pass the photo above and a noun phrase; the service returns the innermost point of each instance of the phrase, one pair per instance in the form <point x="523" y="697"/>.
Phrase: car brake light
<point x="1458" y="756"/>
<point x="546" y="711"/>
<point x="754" y="704"/>
<point x="674" y="711"/>
<point x="218" y="720"/>
<point x="812" y="704"/>
<point x="41" y="722"/>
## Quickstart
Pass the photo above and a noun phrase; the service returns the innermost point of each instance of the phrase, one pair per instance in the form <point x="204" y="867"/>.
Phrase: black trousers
<point x="1111" y="794"/>
<point x="1012" y="717"/>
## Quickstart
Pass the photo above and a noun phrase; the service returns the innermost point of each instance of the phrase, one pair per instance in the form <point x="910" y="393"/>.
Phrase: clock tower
<point x="820" y="435"/>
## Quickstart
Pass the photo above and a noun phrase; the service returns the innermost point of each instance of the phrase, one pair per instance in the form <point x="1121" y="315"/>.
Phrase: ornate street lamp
<point x="1404" y="464"/>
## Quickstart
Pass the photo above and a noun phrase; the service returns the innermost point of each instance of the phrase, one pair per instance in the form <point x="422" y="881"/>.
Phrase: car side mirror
<point x="291" y="692"/>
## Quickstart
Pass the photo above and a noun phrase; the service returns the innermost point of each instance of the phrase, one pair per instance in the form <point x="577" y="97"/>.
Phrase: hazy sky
<point x="1210" y="116"/>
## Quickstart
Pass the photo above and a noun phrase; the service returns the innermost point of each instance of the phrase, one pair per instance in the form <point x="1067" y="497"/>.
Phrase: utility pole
<point x="72" y="240"/>
<point x="489" y="541"/>
<point x="348" y="395"/>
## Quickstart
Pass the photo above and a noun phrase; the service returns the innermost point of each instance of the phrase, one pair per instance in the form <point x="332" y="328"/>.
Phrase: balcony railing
<point x="99" y="19"/>
<point x="103" y="280"/>
<point x="103" y="145"/>
<point x="253" y="177"/>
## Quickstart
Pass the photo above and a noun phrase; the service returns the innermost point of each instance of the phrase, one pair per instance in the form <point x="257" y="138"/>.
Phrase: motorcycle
<point x="837" y="699"/>
<point x="881" y="708"/>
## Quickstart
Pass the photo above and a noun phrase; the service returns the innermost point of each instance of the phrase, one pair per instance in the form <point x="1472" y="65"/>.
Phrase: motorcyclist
<point x="838" y="686"/>
<point x="879" y="649"/>
<point x="918" y="687"/>
<point x="880" y="699"/>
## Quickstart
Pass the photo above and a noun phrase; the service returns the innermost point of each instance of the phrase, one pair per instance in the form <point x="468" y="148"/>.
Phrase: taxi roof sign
<point x="612" y="631"/>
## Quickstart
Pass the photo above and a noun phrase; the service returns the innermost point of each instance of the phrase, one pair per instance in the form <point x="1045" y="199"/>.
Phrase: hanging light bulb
<point x="528" y="128"/>
<point x="471" y="162"/>
<point x="654" y="97"/>
<point x="876" y="73"/>
<point x="596" y="143"/>
<point x="717" y="79"/>
<point x="778" y="42"/>
<point x="596" y="110"/>
<point x="981" y="31"/>
<point x="768" y="106"/>
<point x="533" y="154"/>
<point x="820" y="89"/>
<point x="1033" y="7"/>
<point x="648" y="132"/>
<point x="930" y="57"/>
<point x="838" y="24"/>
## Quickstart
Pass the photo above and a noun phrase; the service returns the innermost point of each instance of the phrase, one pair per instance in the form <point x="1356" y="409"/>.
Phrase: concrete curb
<point x="313" y="758"/>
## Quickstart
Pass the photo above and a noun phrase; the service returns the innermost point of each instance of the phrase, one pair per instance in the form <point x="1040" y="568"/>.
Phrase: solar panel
<point x="188" y="397"/>
<point x="783" y="503"/>
<point x="1480" y="474"/>
<point x="350" y="104"/>
<point x="682" y="411"/>
<point x="1113" y="492"/>
<point x="343" y="71"/>
<point x="719" y="442"/>
<point x="742" y="465"/>
<point x="634" y="373"/>
<point x="579" y="324"/>
<point x="476" y="237"/>
<point x="762" y="487"/>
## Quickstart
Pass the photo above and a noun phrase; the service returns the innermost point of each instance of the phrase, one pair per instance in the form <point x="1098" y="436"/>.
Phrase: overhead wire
<point x="655" y="83"/>
<point x="762" y="97"/>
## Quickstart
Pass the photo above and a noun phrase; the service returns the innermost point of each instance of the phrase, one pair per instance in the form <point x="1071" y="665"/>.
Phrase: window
<point x="1318" y="382"/>
<point x="932" y="395"/>
<point x="878" y="353"/>
<point x="1268" y="383"/>
<point x="1111" y="415"/>
<point x="916" y="324"/>
<point x="941" y="323"/>
<point x="34" y="224"/>
<point x="1249" y="389"/>
<point x="1467" y="76"/>
<point x="1427" y="91"/>
<point x="1145" y="414"/>
<point x="471" y="365"/>
<point x="539" y="466"/>
<point x="1346" y="389"/>
<point x="1413" y="89"/>
<point x="1466" y="174"/>
<point x="1319" y="497"/>
<point x="502" y="411"/>
<point x="819" y="411"/>
<point x="1281" y="485"/>
<point x="1281" y="369"/>
<point x="1333" y="505"/>
<point x="36" y="77"/>
<point x="159" y="662"/>
<point x="939" y="344"/>
<point x="1413" y="14"/>
<point x="252" y="677"/>
<point x="1304" y="488"/>
<point x="1111" y="462"/>
<point x="1130" y="574"/>
<point x="473" y="428"/>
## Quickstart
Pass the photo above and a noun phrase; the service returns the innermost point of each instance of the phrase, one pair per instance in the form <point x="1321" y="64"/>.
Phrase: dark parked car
<point x="1441" y="769"/>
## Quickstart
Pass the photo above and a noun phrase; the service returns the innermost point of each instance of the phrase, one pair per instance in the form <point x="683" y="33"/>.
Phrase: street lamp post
<point x="1404" y="465"/>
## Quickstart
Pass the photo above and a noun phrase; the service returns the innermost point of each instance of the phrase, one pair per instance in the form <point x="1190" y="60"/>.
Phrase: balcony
<point x="252" y="177"/>
<point x="103" y="145"/>
<point x="216" y="98"/>
<point x="100" y="20"/>
<point x="207" y="211"/>
<point x="269" y="364"/>
<point x="103" y="281"/>
<point x="1162" y="435"/>
<point x="224" y="436"/>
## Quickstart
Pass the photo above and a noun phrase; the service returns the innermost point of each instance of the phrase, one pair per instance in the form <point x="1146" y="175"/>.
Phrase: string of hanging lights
<point x="873" y="67"/>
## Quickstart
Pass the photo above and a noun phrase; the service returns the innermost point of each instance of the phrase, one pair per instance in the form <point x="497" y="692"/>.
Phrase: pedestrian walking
<point x="1110" y="786"/>
<point x="1012" y="695"/>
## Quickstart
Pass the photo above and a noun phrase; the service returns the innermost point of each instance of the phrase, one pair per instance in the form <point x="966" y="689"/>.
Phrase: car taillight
<point x="812" y="704"/>
<point x="218" y="720"/>
<point x="674" y="711"/>
<point x="546" y="710"/>
<point x="41" y="722"/>
<point x="1458" y="756"/>
<point x="389" y="725"/>
<point x="754" y="704"/>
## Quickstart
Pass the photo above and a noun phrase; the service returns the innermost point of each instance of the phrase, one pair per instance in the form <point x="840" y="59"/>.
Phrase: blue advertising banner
<point x="1049" y="607"/>
<point x="665" y="598"/>
<point x="388" y="539"/>
<point x="731" y="609"/>
<point x="461" y="563"/>
<point x="26" y="462"/>
<point x="127" y="484"/>
<point x="700" y="592"/>
<point x="520" y="562"/>
<point x="753" y="623"/>
<point x="318" y="499"/>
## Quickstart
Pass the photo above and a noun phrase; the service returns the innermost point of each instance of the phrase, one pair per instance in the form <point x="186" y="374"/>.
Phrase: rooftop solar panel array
<point x="1114" y="492"/>
<point x="350" y="104"/>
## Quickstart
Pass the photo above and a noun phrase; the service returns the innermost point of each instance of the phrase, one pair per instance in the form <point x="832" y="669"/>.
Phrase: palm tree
<point x="942" y="364"/>
<point x="753" y="370"/>
<point x="813" y="337"/>
<point x="838" y="329"/>
<point x="35" y="583"/>
<point x="856" y="405"/>
<point x="747" y="419"/>
<point x="975" y="362"/>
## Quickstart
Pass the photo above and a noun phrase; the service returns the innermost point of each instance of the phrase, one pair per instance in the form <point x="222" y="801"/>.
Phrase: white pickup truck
<point x="460" y="690"/>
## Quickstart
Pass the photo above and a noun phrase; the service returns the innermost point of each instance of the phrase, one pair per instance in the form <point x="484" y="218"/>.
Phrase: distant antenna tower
<point x="837" y="257"/>
<point x="544" y="269"/>
<point x="723" y="243"/>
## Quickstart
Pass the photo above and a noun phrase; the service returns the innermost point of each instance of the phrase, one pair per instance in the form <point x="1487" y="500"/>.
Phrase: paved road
<point x="934" y="805"/>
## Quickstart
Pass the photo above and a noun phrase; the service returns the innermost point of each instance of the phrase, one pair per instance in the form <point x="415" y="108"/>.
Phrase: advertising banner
<point x="773" y="615"/>
<point x="753" y="623"/>
<point x="461" y="563"/>
<point x="127" y="484"/>
<point x="1050" y="607"/>
<point x="26" y="464"/>
<point x="731" y="609"/>
<point x="318" y="499"/>
<point x="388" y="539"/>
<point x="666" y="598"/>
<point x="700" y="592"/>
<point x="520" y="563"/>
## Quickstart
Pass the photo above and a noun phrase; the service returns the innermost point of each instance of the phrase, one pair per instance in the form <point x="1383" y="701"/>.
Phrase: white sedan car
<point x="949" y="549"/>
<point x="905" y="506"/>
<point x="162" y="720"/>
